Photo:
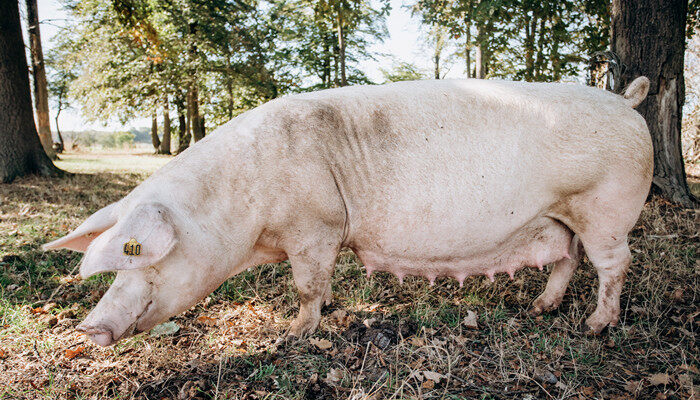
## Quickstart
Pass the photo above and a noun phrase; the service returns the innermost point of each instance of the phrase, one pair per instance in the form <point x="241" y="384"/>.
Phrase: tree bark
<point x="193" y="113"/>
<point x="41" y="92"/>
<point x="436" y="61"/>
<point x="468" y="51"/>
<point x="649" y="38"/>
<point x="184" y="135"/>
<point x="326" y="74"/>
<point x="154" y="132"/>
<point x="165" y="143"/>
<point x="61" y="143"/>
<point x="21" y="152"/>
<point x="478" y="63"/>
<point x="341" y="49"/>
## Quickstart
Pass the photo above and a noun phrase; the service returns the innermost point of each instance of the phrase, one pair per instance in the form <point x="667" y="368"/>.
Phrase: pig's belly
<point x="540" y="242"/>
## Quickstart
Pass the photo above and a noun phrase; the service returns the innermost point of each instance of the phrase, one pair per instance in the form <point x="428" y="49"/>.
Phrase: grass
<point x="388" y="340"/>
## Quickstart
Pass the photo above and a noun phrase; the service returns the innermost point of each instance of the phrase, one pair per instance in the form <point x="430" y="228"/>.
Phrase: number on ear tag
<point x="132" y="248"/>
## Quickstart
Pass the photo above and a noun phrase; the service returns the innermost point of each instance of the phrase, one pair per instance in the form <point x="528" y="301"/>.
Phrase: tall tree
<point x="154" y="132"/>
<point x="21" y="152"/>
<point x="649" y="38"/>
<point x="41" y="92"/>
<point x="438" y="38"/>
<point x="165" y="143"/>
<point x="534" y="40"/>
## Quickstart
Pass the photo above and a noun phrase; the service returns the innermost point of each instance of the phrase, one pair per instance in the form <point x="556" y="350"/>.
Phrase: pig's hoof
<point x="541" y="305"/>
<point x="597" y="322"/>
<point x="300" y="329"/>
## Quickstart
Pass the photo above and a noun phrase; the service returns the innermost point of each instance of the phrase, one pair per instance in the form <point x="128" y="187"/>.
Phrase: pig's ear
<point x="140" y="239"/>
<point x="84" y="234"/>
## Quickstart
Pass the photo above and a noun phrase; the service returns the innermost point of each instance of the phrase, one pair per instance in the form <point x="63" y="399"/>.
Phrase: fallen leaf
<point x="72" y="353"/>
<point x="339" y="314"/>
<point x="433" y="376"/>
<point x="165" y="329"/>
<point x="417" y="341"/>
<point x="587" y="391"/>
<point x="632" y="386"/>
<point x="341" y="317"/>
<point x="677" y="294"/>
<point x="322" y="344"/>
<point x="417" y="364"/>
<point x="461" y="340"/>
<point x="659" y="379"/>
<point x="428" y="384"/>
<point x="333" y="376"/>
<point x="210" y="321"/>
<point x="3" y="354"/>
<point x="685" y="380"/>
<point x="471" y="320"/>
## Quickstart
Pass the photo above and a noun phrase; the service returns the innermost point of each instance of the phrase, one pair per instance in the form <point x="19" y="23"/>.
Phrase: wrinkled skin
<point x="429" y="178"/>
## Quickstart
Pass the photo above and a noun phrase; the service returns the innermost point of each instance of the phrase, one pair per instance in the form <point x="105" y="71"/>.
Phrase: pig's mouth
<point x="104" y="335"/>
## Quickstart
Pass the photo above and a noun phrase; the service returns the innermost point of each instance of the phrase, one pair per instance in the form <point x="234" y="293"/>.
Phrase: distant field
<point x="377" y="340"/>
<point x="135" y="161"/>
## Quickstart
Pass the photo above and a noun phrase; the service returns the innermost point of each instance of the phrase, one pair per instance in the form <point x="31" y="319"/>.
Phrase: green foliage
<point x="310" y="31"/>
<point x="402" y="71"/>
<point x="522" y="39"/>
<point x="119" y="59"/>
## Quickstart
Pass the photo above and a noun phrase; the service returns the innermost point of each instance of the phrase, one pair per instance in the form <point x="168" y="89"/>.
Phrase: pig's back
<point x="450" y="170"/>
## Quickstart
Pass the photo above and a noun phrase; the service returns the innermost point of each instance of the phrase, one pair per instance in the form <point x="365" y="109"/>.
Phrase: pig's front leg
<point x="312" y="270"/>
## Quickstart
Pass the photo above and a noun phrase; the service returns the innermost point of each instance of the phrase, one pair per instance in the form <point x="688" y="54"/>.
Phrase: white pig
<point x="428" y="178"/>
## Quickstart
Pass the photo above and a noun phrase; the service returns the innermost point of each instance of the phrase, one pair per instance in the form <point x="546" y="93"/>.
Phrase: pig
<point x="445" y="178"/>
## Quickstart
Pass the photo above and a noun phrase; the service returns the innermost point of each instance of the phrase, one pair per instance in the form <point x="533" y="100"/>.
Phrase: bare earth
<point x="378" y="339"/>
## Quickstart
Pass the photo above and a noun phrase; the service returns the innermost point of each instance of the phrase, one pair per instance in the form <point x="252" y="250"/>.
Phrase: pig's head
<point x="158" y="273"/>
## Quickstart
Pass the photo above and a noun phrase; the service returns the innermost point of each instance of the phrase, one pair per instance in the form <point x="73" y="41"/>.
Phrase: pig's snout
<point x="100" y="334"/>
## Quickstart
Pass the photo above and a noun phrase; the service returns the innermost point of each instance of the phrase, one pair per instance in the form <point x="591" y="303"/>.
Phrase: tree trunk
<point x="193" y="113"/>
<point x="649" y="38"/>
<point x="436" y="60"/>
<point x="336" y="69"/>
<point x="341" y="49"/>
<point x="184" y="135"/>
<point x="229" y="89"/>
<point x="41" y="93"/>
<point x="529" y="44"/>
<point x="326" y="74"/>
<point x="468" y="51"/>
<point x="21" y="152"/>
<point x="478" y="63"/>
<point x="61" y="144"/>
<point x="540" y="49"/>
<point x="154" y="132"/>
<point x="165" y="143"/>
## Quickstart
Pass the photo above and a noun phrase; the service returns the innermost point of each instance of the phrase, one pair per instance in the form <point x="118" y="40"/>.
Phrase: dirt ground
<point x="377" y="340"/>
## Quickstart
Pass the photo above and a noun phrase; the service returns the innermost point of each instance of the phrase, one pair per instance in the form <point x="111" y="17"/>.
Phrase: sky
<point x="404" y="43"/>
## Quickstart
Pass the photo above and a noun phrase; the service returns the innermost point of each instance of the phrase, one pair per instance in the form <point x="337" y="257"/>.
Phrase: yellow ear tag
<point x="132" y="248"/>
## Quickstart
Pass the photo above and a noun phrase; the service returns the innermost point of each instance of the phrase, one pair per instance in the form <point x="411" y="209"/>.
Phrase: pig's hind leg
<point x="312" y="269"/>
<point x="611" y="261"/>
<point x="561" y="274"/>
<point x="602" y="218"/>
